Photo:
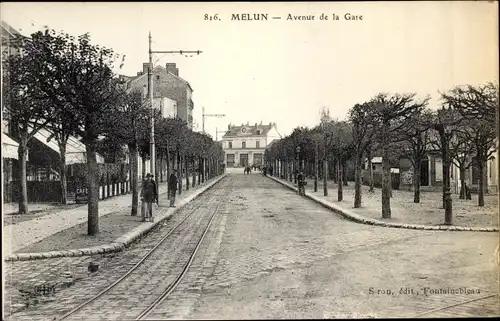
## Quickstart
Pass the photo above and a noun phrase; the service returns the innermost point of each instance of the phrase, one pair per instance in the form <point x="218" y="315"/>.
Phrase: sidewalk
<point x="13" y="207"/>
<point x="23" y="234"/>
<point x="427" y="214"/>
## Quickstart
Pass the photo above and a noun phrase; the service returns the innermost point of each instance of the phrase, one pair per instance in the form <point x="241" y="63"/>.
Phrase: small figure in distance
<point x="172" y="187"/>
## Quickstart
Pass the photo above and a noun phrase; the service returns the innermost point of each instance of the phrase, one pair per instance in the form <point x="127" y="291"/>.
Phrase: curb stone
<point x="370" y="221"/>
<point x="120" y="243"/>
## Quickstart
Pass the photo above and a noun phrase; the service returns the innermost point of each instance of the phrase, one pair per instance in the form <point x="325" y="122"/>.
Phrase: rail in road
<point x="151" y="280"/>
<point x="460" y="309"/>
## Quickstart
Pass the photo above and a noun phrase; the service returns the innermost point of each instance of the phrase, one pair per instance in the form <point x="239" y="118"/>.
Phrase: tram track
<point x="429" y="313"/>
<point x="171" y="259"/>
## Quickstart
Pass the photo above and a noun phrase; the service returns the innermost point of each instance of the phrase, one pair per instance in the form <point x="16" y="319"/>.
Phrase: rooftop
<point x="249" y="129"/>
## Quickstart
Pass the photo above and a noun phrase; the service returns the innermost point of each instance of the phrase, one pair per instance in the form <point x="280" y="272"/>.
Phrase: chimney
<point x="229" y="127"/>
<point x="145" y="67"/>
<point x="139" y="73"/>
<point x="255" y="125"/>
<point x="171" y="68"/>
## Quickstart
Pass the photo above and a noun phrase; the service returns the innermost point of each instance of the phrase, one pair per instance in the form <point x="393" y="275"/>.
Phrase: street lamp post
<point x="316" y="166"/>
<point x="448" y="203"/>
<point x="325" y="162"/>
<point x="297" y="166"/>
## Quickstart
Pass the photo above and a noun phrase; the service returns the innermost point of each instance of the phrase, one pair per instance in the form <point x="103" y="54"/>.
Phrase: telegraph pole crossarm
<point x="203" y="115"/>
<point x="178" y="52"/>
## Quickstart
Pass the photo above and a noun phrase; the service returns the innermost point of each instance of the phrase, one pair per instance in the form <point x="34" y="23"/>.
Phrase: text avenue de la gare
<point x="323" y="16"/>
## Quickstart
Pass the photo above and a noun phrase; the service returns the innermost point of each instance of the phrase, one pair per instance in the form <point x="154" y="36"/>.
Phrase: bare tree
<point x="363" y="131"/>
<point x="463" y="148"/>
<point x="25" y="108"/>
<point x="92" y="92"/>
<point x="342" y="137"/>
<point x="445" y="122"/>
<point x="415" y="146"/>
<point x="478" y="105"/>
<point x="393" y="113"/>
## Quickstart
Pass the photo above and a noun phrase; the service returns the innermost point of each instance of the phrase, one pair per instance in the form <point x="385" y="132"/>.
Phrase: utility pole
<point x="203" y="115"/>
<point x="150" y="96"/>
<point x="152" y="124"/>
<point x="217" y="132"/>
<point x="325" y="166"/>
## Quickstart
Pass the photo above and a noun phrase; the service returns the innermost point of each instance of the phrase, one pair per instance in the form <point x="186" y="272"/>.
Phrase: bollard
<point x="448" y="208"/>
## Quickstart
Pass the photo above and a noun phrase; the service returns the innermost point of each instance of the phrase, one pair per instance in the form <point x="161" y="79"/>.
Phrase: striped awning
<point x="75" y="149"/>
<point x="9" y="147"/>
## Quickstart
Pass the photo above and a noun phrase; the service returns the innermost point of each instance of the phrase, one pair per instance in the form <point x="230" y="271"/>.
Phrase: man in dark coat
<point x="172" y="187"/>
<point x="149" y="195"/>
<point x="301" y="183"/>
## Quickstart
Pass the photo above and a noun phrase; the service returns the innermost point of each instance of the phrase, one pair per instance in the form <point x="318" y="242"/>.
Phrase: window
<point x="258" y="132"/>
<point x="243" y="145"/>
<point x="230" y="144"/>
<point x="257" y="144"/>
<point x="157" y="77"/>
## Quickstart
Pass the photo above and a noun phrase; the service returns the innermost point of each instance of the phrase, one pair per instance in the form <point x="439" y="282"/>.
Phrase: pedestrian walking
<point x="172" y="187"/>
<point x="301" y="183"/>
<point x="149" y="195"/>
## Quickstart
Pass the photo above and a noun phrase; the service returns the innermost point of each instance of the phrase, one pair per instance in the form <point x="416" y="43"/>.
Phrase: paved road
<point x="272" y="254"/>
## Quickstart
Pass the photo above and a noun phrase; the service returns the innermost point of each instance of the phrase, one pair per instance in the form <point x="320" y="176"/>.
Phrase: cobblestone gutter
<point x="370" y="221"/>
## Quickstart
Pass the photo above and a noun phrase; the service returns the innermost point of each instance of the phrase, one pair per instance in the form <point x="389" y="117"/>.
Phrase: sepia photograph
<point x="250" y="160"/>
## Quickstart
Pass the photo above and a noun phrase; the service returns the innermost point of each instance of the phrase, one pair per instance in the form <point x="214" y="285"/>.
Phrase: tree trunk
<point x="203" y="169"/>
<point x="143" y="159"/>
<point x="343" y="174"/>
<point x="446" y="178"/>
<point x="316" y="165"/>
<point x="386" y="179"/>
<point x="168" y="170"/>
<point x="462" y="181"/>
<point x="179" y="171"/>
<point x="340" y="181"/>
<point x="357" y="180"/>
<point x="370" y="171"/>
<point x="480" y="191"/>
<point x="199" y="170"/>
<point x="134" y="178"/>
<point x="485" y="177"/>
<point x="193" y="162"/>
<point x="416" y="181"/>
<point x="186" y="165"/>
<point x="63" y="174"/>
<point x="325" y="177"/>
<point x="22" y="153"/>
<point x="160" y="159"/>
<point x="93" y="189"/>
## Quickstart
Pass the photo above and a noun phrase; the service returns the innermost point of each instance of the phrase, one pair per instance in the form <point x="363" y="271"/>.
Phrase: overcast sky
<point x="284" y="71"/>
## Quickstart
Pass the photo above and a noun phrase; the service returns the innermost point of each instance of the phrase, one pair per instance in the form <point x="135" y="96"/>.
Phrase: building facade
<point x="245" y="145"/>
<point x="171" y="94"/>
<point x="431" y="174"/>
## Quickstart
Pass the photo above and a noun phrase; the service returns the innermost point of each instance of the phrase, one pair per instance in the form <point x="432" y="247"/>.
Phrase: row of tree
<point x="65" y="84"/>
<point x="462" y="130"/>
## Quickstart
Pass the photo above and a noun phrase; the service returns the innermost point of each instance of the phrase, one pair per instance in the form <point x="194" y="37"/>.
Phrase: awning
<point x="9" y="147"/>
<point x="75" y="149"/>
